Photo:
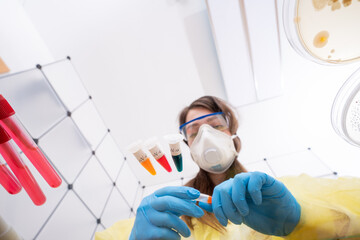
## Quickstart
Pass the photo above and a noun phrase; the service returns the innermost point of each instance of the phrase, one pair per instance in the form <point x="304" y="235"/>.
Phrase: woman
<point x="246" y="205"/>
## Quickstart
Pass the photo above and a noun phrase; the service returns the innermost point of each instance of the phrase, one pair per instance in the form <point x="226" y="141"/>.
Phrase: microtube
<point x="21" y="171"/>
<point x="18" y="133"/>
<point x="174" y="143"/>
<point x="136" y="149"/>
<point x="157" y="153"/>
<point x="204" y="198"/>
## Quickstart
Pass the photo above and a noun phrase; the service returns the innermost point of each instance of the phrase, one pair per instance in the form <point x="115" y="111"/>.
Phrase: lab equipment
<point x="204" y="198"/>
<point x="191" y="128"/>
<point x="259" y="201"/>
<point x="7" y="179"/>
<point x="157" y="153"/>
<point x="323" y="31"/>
<point x="7" y="232"/>
<point x="158" y="214"/>
<point x="345" y="112"/>
<point x="175" y="150"/>
<point x="213" y="150"/>
<point x="21" y="171"/>
<point x="136" y="149"/>
<point x="18" y="133"/>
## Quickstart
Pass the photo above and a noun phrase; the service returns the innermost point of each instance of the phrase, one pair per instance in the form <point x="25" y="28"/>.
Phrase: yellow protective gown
<point x="330" y="209"/>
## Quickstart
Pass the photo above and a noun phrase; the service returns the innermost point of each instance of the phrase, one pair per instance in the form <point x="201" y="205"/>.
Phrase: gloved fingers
<point x="177" y="206"/>
<point x="178" y="191"/>
<point x="160" y="233"/>
<point x="229" y="208"/>
<point x="239" y="190"/>
<point x="256" y="182"/>
<point x="170" y="221"/>
<point x="218" y="205"/>
<point x="206" y="206"/>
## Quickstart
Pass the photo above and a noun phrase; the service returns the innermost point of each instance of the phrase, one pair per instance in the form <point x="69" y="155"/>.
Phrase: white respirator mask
<point x="213" y="150"/>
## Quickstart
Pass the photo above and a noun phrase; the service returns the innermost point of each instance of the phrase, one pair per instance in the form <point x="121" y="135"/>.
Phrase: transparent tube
<point x="157" y="153"/>
<point x="204" y="198"/>
<point x="141" y="156"/>
<point x="18" y="133"/>
<point x="8" y="180"/>
<point x="22" y="172"/>
<point x="174" y="143"/>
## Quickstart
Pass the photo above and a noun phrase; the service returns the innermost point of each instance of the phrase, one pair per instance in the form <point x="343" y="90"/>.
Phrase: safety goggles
<point x="191" y="128"/>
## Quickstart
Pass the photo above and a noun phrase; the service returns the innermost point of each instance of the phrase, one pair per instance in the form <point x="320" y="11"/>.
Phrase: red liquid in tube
<point x="18" y="133"/>
<point x="21" y="171"/>
<point x="8" y="181"/>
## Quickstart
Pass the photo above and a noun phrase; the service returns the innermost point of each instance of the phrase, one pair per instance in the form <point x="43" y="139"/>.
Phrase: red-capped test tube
<point x="154" y="149"/>
<point x="7" y="179"/>
<point x="18" y="133"/>
<point x="21" y="171"/>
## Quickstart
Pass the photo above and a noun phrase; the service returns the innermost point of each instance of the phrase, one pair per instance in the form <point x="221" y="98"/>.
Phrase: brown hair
<point x="202" y="181"/>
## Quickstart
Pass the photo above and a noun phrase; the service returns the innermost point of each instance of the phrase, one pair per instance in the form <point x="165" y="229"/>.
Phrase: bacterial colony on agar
<point x="329" y="29"/>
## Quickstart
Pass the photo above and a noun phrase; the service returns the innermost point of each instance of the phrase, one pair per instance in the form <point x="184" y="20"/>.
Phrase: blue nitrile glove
<point x="157" y="217"/>
<point x="257" y="200"/>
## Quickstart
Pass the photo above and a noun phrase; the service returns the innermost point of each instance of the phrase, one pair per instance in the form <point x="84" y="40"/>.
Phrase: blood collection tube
<point x="156" y="152"/>
<point x="21" y="171"/>
<point x="17" y="132"/>
<point x="140" y="155"/>
<point x="7" y="179"/>
<point x="174" y="143"/>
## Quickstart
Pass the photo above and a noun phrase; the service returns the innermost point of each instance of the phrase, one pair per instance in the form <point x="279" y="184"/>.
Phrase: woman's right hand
<point x="158" y="215"/>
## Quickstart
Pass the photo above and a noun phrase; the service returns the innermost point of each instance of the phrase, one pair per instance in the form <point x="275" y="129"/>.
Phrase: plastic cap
<point x="4" y="137"/>
<point x="134" y="147"/>
<point x="5" y="109"/>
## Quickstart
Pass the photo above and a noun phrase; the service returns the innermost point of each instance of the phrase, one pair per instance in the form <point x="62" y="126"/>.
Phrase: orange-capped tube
<point x="140" y="155"/>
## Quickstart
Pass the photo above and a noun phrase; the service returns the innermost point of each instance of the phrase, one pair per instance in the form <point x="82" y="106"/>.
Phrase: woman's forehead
<point x="197" y="112"/>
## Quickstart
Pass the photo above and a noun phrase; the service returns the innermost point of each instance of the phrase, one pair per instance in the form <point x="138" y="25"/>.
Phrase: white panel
<point x="66" y="148"/>
<point x="149" y="190"/>
<point x="66" y="83"/>
<point x="116" y="209"/>
<point x="33" y="100"/>
<point x="265" y="50"/>
<point x="71" y="220"/>
<point x="90" y="123"/>
<point x="93" y="186"/>
<point x="138" y="198"/>
<point x="110" y="156"/>
<point x="260" y="166"/>
<point x="298" y="163"/>
<point x="232" y="48"/>
<point x="127" y="183"/>
<point x="21" y="213"/>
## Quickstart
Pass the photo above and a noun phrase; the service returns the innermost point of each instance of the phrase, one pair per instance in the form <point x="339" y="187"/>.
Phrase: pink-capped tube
<point x="21" y="171"/>
<point x="18" y="133"/>
<point x="8" y="180"/>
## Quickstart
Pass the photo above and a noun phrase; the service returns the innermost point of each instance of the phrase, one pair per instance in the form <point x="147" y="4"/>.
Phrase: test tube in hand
<point x="140" y="155"/>
<point x="21" y="171"/>
<point x="18" y="133"/>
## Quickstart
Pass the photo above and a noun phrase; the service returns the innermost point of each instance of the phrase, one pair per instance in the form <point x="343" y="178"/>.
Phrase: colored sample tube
<point x="204" y="198"/>
<point x="156" y="152"/>
<point x="21" y="171"/>
<point x="17" y="132"/>
<point x="141" y="156"/>
<point x="174" y="143"/>
<point x="8" y="180"/>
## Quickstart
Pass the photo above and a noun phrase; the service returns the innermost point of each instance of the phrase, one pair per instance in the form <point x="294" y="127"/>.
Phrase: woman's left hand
<point x="257" y="200"/>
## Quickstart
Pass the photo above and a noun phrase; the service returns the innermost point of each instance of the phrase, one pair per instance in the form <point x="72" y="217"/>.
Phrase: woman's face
<point x="214" y="121"/>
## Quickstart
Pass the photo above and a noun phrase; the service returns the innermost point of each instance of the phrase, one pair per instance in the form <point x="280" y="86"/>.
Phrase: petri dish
<point x="345" y="112"/>
<point x="324" y="31"/>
